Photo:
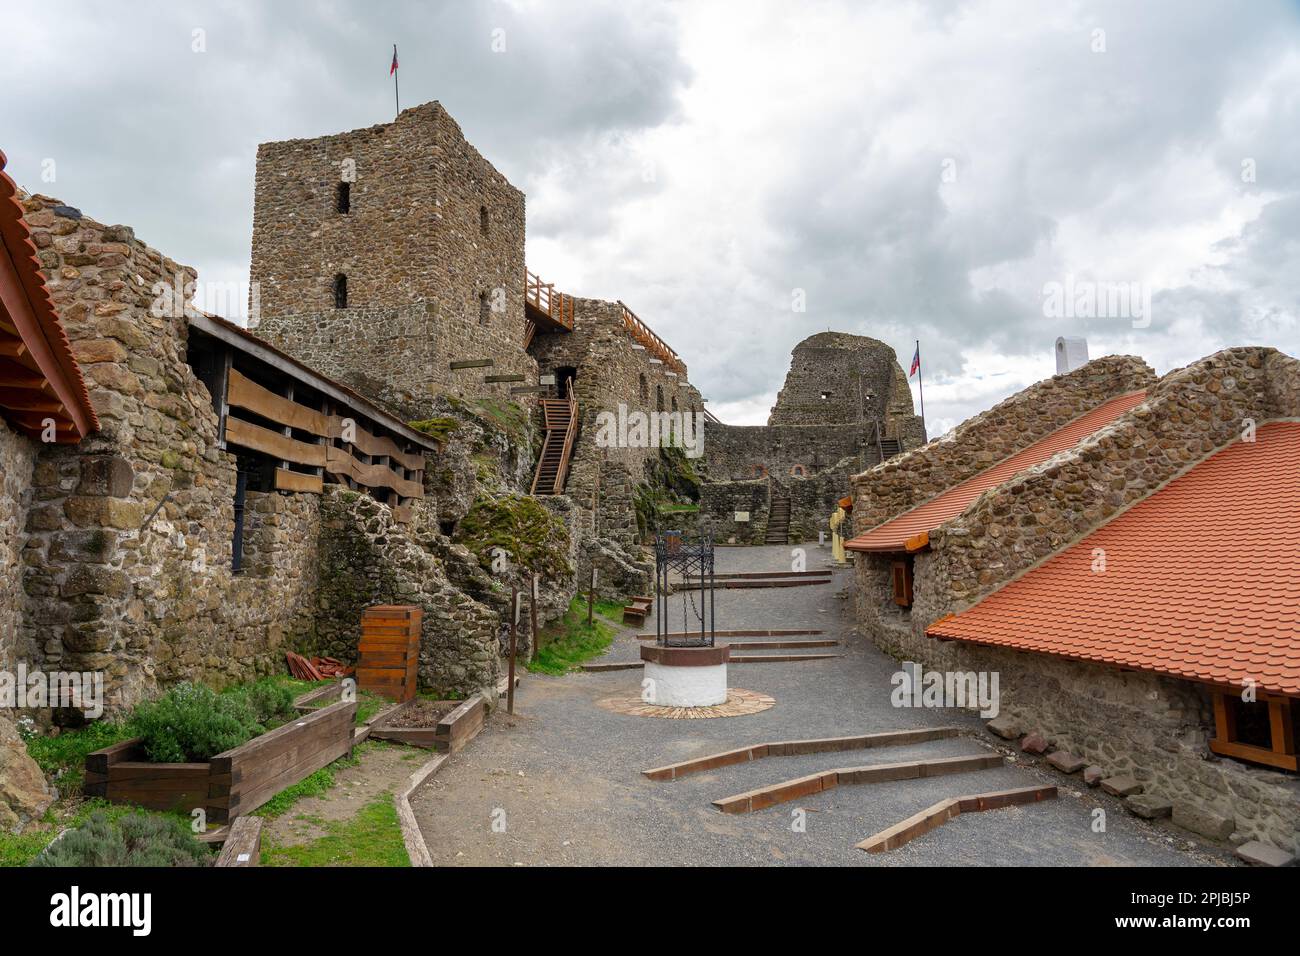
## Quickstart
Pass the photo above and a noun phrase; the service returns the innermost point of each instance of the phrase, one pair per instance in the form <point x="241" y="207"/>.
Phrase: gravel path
<point x="560" y="782"/>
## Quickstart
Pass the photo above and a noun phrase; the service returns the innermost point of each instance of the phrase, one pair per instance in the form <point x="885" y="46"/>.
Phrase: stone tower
<point x="383" y="255"/>
<point x="840" y="379"/>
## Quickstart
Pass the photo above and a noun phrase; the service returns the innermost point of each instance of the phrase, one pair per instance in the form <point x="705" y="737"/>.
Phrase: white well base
<point x="685" y="686"/>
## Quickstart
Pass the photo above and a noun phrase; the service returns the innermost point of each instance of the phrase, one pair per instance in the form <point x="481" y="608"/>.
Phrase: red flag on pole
<point x="393" y="69"/>
<point x="916" y="361"/>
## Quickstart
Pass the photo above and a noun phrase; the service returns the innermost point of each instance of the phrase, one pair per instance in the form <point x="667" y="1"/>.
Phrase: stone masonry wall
<point x="612" y="370"/>
<point x="148" y="600"/>
<point x="1187" y="415"/>
<point x="17" y="455"/>
<point x="736" y="452"/>
<point x="920" y="474"/>
<point x="721" y="500"/>
<point x="838" y="378"/>
<point x="432" y="248"/>
<point x="366" y="559"/>
<point x="1105" y="715"/>
<point x="402" y="357"/>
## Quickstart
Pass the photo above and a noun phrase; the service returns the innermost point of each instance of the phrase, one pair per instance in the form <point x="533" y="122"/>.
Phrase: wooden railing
<point x="542" y="296"/>
<point x="656" y="346"/>
<point x="569" y="434"/>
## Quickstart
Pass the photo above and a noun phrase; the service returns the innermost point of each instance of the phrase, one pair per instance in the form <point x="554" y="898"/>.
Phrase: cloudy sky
<point x="983" y="176"/>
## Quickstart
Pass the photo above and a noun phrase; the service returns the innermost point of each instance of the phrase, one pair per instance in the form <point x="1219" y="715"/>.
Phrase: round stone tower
<point x="836" y="378"/>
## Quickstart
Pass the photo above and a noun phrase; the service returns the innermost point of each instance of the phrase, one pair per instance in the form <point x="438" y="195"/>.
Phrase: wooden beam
<point x="286" y="480"/>
<point x="247" y="394"/>
<point x="13" y="348"/>
<point x="371" y="444"/>
<point x="257" y="438"/>
<point x="472" y="363"/>
<point x="28" y="401"/>
<point x="1255" y="754"/>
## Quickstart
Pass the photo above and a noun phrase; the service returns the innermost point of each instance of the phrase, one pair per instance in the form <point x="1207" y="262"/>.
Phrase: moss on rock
<point x="523" y="528"/>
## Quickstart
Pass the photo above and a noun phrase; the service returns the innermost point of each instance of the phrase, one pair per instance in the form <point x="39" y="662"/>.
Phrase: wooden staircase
<point x="560" y="420"/>
<point x="778" y="521"/>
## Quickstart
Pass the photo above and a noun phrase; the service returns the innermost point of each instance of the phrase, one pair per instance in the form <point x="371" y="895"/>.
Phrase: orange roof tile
<point x="1201" y="580"/>
<point x="39" y="378"/>
<point x="909" y="531"/>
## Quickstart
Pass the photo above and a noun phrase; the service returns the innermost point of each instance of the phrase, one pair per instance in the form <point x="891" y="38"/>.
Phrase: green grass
<point x="22" y="849"/>
<point x="568" y="643"/>
<point x="371" y="838"/>
<point x="64" y="757"/>
<point x="316" y="784"/>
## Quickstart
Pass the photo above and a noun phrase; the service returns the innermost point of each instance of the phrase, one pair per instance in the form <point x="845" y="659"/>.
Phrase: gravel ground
<point x="560" y="784"/>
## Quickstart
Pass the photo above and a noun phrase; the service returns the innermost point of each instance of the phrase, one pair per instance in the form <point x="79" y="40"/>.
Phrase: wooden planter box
<point x="231" y="783"/>
<point x="457" y="728"/>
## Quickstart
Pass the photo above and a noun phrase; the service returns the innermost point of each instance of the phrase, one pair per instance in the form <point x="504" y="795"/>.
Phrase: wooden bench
<point x="641" y="606"/>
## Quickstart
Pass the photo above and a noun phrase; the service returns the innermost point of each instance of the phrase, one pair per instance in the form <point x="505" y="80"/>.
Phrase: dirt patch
<point x="381" y="767"/>
<point x="422" y="713"/>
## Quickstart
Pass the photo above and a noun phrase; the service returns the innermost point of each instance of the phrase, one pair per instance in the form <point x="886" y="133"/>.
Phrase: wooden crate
<point x="388" y="656"/>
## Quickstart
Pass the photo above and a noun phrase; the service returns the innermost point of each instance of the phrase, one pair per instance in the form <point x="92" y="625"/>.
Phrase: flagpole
<point x="396" y="101"/>
<point x="920" y="380"/>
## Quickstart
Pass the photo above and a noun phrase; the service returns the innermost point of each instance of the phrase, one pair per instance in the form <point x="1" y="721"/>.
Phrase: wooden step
<point x="779" y="658"/>
<point x="936" y="815"/>
<point x="787" y="790"/>
<point x="798" y="748"/>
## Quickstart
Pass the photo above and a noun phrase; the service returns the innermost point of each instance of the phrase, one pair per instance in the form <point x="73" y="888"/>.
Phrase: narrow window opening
<point x="343" y="201"/>
<point x="484" y="309"/>
<point x="340" y="291"/>
<point x="901" y="571"/>
<point x="483" y="219"/>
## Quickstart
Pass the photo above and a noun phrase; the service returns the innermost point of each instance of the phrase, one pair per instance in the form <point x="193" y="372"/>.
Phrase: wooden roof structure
<point x="300" y="429"/>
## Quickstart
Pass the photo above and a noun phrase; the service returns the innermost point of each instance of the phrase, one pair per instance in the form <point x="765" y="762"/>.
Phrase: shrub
<point x="270" y="700"/>
<point x="137" y="839"/>
<point x="192" y="723"/>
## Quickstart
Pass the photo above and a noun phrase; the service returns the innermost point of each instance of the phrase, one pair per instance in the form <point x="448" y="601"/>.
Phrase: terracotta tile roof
<point x="1202" y="579"/>
<point x="908" y="531"/>
<point x="33" y="343"/>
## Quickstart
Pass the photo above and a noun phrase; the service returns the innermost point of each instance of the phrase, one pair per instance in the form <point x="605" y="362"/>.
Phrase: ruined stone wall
<point x="1187" y="416"/>
<point x="739" y="452"/>
<point x="17" y="455"/>
<point x="146" y="596"/>
<point x="432" y="247"/>
<point x="1103" y="714"/>
<point x="813" y="500"/>
<point x="612" y="370"/>
<point x="920" y="474"/>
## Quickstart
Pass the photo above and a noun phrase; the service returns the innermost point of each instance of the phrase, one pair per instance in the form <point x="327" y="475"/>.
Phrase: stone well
<point x="686" y="676"/>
